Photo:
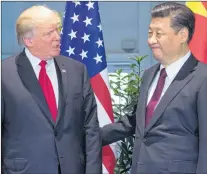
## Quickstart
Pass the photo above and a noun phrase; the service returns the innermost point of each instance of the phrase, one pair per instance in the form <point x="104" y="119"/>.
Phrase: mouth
<point x="57" y="46"/>
<point x="155" y="47"/>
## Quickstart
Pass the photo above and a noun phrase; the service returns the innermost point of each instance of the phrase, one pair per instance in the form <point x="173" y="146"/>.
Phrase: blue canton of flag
<point x="82" y="37"/>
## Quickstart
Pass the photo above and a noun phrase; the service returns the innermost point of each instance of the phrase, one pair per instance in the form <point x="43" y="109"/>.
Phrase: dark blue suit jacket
<point x="31" y="141"/>
<point x="175" y="140"/>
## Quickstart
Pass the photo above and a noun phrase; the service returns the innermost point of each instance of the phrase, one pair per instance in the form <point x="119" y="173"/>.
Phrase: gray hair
<point x="33" y="17"/>
<point x="181" y="16"/>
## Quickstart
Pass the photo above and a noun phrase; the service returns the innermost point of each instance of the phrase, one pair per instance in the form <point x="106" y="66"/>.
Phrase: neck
<point x="176" y="57"/>
<point x="38" y="54"/>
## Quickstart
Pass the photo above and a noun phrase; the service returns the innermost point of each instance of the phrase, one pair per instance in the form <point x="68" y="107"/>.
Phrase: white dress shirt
<point x="171" y="71"/>
<point x="50" y="69"/>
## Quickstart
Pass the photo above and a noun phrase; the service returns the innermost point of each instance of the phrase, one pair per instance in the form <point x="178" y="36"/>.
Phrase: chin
<point x="56" y="53"/>
<point x="157" y="56"/>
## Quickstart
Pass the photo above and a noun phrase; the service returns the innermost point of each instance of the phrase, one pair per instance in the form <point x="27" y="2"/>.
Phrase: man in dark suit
<point x="49" y="113"/>
<point x="170" y="123"/>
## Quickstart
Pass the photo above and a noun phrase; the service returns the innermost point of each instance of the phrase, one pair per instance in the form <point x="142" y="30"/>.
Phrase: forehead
<point x="46" y="27"/>
<point x="160" y="23"/>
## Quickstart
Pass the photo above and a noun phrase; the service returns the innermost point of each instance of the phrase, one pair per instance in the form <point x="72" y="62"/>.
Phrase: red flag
<point x="198" y="44"/>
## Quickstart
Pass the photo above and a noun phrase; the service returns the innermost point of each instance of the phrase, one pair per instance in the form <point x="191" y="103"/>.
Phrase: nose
<point x="152" y="40"/>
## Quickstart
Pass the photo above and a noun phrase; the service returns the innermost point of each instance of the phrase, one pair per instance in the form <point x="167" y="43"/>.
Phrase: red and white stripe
<point x="100" y="85"/>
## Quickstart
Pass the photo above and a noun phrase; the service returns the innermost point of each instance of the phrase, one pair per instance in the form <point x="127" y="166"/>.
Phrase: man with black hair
<point x="170" y="123"/>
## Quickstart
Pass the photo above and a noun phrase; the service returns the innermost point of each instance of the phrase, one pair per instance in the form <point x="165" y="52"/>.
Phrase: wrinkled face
<point x="45" y="41"/>
<point x="163" y="40"/>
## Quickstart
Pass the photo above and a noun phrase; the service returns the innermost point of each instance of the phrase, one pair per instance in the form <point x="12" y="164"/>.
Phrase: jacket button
<point x="56" y="133"/>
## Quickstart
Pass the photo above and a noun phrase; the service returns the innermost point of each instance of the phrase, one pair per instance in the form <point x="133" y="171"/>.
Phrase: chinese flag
<point x="198" y="44"/>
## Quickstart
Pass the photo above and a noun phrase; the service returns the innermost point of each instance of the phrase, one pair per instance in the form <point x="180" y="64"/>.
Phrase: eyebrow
<point x="156" y="28"/>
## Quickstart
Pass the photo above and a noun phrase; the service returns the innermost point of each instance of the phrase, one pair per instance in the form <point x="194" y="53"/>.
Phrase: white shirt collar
<point x="35" y="60"/>
<point x="174" y="68"/>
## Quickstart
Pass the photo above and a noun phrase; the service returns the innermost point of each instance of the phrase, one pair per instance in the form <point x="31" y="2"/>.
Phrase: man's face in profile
<point x="164" y="41"/>
<point x="46" y="40"/>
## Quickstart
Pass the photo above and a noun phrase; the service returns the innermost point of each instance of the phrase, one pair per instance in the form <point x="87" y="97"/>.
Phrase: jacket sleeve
<point x="121" y="129"/>
<point x="2" y="106"/>
<point x="92" y="132"/>
<point x="202" y="121"/>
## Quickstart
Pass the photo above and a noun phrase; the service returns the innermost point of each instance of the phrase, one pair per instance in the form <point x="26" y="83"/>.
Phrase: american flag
<point x="82" y="40"/>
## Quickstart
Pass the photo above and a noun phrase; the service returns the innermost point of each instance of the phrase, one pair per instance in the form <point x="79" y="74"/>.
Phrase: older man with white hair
<point x="49" y="113"/>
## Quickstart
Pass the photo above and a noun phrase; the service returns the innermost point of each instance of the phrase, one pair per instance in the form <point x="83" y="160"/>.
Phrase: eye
<point x="149" y="33"/>
<point x="159" y="34"/>
<point x="50" y="32"/>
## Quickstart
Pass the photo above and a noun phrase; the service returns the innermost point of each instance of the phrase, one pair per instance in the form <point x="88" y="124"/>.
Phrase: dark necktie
<point x="47" y="89"/>
<point x="155" y="97"/>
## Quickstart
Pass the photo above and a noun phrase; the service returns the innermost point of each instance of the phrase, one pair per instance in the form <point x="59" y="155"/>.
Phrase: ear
<point x="28" y="41"/>
<point x="184" y="35"/>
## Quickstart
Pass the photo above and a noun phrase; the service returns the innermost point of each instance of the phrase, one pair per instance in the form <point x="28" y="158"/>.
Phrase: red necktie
<point x="155" y="97"/>
<point x="47" y="89"/>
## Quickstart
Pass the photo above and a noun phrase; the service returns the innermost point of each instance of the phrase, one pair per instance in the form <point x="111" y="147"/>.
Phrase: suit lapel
<point x="182" y="78"/>
<point x="31" y="82"/>
<point x="62" y="76"/>
<point x="143" y="97"/>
